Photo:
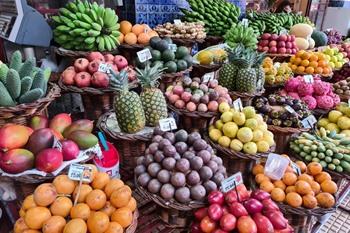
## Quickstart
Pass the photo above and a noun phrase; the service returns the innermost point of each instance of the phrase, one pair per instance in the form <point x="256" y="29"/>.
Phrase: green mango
<point x="83" y="139"/>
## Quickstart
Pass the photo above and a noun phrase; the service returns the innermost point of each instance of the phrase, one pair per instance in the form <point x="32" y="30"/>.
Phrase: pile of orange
<point x="135" y="34"/>
<point x="103" y="206"/>
<point x="306" y="62"/>
<point x="313" y="188"/>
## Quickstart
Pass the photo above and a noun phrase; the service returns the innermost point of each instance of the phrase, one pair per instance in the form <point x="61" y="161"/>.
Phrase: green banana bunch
<point x="217" y="15"/>
<point x="82" y="25"/>
<point x="240" y="34"/>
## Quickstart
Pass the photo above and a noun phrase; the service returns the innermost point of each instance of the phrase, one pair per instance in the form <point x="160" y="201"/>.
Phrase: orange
<point x="278" y="195"/>
<point x="84" y="191"/>
<point x="98" y="222"/>
<point x="64" y="185"/>
<point x="36" y="216"/>
<point x="125" y="27"/>
<point x="294" y="199"/>
<point x="314" y="168"/>
<point x="300" y="53"/>
<point x="28" y="202"/>
<point x="325" y="200"/>
<point x="306" y="177"/>
<point x="315" y="187"/>
<point x="318" y="70"/>
<point x="132" y="204"/>
<point x="259" y="178"/>
<point x="329" y="186"/>
<point x="279" y="184"/>
<point x="100" y="181"/>
<point x="297" y="61"/>
<point x="290" y="169"/>
<point x="327" y="70"/>
<point x="290" y="189"/>
<point x="96" y="199"/>
<point x="301" y="69"/>
<point x="113" y="185"/>
<point x="267" y="186"/>
<point x="289" y="178"/>
<point x="81" y="210"/>
<point x="137" y="29"/>
<point x="322" y="177"/>
<point x="313" y="64"/>
<point x="45" y="194"/>
<point x="21" y="212"/>
<point x="258" y="169"/>
<point x="108" y="209"/>
<point x="321" y="56"/>
<point x="143" y="38"/>
<point x="309" y="201"/>
<point x="302" y="187"/>
<point x="292" y="59"/>
<point x="301" y="165"/>
<point x="123" y="216"/>
<point x="305" y="63"/>
<point x="30" y="231"/>
<point x="19" y="226"/>
<point x="76" y="225"/>
<point x="121" y="197"/>
<point x="54" y="224"/>
<point x="121" y="38"/>
<point x="61" y="206"/>
<point x="114" y="227"/>
<point x="152" y="33"/>
<point x="313" y="57"/>
<point x="306" y="56"/>
<point x="130" y="38"/>
<point x="322" y="63"/>
<point x="309" y="70"/>
<point x="294" y="67"/>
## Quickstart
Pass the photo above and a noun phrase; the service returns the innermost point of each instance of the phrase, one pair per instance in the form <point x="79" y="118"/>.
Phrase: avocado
<point x="170" y="66"/>
<point x="168" y="39"/>
<point x="189" y="60"/>
<point x="181" y="52"/>
<point x="181" y="65"/>
<point x="162" y="45"/>
<point x="156" y="55"/>
<point x="157" y="62"/>
<point x="168" y="55"/>
<point x="154" y="41"/>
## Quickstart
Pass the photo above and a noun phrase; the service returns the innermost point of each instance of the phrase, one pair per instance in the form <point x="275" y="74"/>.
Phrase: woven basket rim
<point x="286" y="130"/>
<point x="77" y="53"/>
<point x="177" y="74"/>
<point x="322" y="76"/>
<point x="194" y="114"/>
<point x="246" y="95"/>
<point x="134" y="46"/>
<point x="278" y="55"/>
<point x="184" y="40"/>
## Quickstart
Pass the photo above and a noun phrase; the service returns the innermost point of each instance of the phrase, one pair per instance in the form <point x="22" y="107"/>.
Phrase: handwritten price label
<point x="245" y="22"/>
<point x="177" y="21"/>
<point x="237" y="105"/>
<point x="208" y="77"/>
<point x="231" y="182"/>
<point x="172" y="47"/>
<point x="144" y="55"/>
<point x="309" y="122"/>
<point x="308" y="78"/>
<point x="104" y="68"/>
<point x="167" y="124"/>
<point x="289" y="109"/>
<point x="80" y="172"/>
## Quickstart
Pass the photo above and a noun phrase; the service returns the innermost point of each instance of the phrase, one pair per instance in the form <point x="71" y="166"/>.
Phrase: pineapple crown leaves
<point x="148" y="77"/>
<point x="119" y="82"/>
<point x="259" y="58"/>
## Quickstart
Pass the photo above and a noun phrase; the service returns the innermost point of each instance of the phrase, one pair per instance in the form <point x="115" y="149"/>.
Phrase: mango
<point x="39" y="122"/>
<point x="84" y="125"/>
<point x="13" y="136"/>
<point x="39" y="140"/>
<point x="83" y="139"/>
<point x="60" y="122"/>
<point x="58" y="135"/>
<point x="17" y="161"/>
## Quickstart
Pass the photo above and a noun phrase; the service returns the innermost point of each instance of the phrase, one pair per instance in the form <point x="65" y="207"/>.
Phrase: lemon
<point x="224" y="107"/>
<point x="224" y="141"/>
<point x="249" y="112"/>
<point x="230" y="129"/>
<point x="205" y="57"/>
<point x="226" y="117"/>
<point x="236" y="145"/>
<point x="334" y="115"/>
<point x="250" y="148"/>
<point x="239" y="118"/>
<point x="245" y="134"/>
<point x="323" y="122"/>
<point x="258" y="135"/>
<point x="215" y="134"/>
<point x="263" y="146"/>
<point x="219" y="124"/>
<point x="251" y="123"/>
<point x="343" y="122"/>
<point x="269" y="140"/>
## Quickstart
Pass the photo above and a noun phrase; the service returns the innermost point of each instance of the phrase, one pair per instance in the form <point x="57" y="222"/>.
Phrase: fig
<point x="218" y="160"/>
<point x="154" y="186"/>
<point x="205" y="155"/>
<point x="169" y="151"/>
<point x="210" y="185"/>
<point x="177" y="156"/>
<point x="140" y="169"/>
<point x="198" y="192"/>
<point x="205" y="173"/>
<point x="193" y="137"/>
<point x="182" y="195"/>
<point x="170" y="136"/>
<point x="169" y="163"/>
<point x="153" y="169"/>
<point x="143" y="179"/>
<point x="167" y="191"/>
<point x="178" y="179"/>
<point x="164" y="176"/>
<point x="163" y="143"/>
<point x="182" y="165"/>
<point x="196" y="163"/>
<point x="181" y="147"/>
<point x="153" y="148"/>
<point x="181" y="136"/>
<point x="199" y="145"/>
<point x="193" y="178"/>
<point x="159" y="156"/>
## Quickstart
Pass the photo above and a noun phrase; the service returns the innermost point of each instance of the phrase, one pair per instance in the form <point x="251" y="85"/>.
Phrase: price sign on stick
<point x="289" y="109"/>
<point x="57" y="144"/>
<point x="308" y="78"/>
<point x="309" y="122"/>
<point x="245" y="22"/>
<point x="167" y="124"/>
<point x="177" y="21"/>
<point x="144" y="55"/>
<point x="296" y="168"/>
<point x="237" y="105"/>
<point x="231" y="182"/>
<point x="172" y="47"/>
<point x="104" y="68"/>
<point x="79" y="171"/>
<point x="208" y="77"/>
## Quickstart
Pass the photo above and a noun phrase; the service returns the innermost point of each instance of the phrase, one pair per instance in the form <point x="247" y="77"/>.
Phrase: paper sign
<point x="167" y="124"/>
<point x="276" y="65"/>
<point x="245" y="22"/>
<point x="104" y="67"/>
<point x="172" y="47"/>
<point x="79" y="171"/>
<point x="177" y="21"/>
<point x="289" y="109"/>
<point x="308" y="78"/>
<point x="296" y="168"/>
<point x="144" y="55"/>
<point x="231" y="182"/>
<point x="283" y="32"/>
<point x="57" y="144"/>
<point x="237" y="105"/>
<point x="309" y="121"/>
<point x="208" y="77"/>
<point x="275" y="166"/>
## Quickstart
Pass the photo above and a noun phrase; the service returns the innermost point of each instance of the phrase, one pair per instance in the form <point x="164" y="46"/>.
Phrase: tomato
<point x="207" y="225"/>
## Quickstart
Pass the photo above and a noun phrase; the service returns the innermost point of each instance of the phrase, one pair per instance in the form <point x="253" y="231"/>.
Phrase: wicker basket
<point x="279" y="57"/>
<point x="21" y="114"/>
<point x="129" y="146"/>
<point x="130" y="51"/>
<point x="246" y="98"/>
<point x="72" y="53"/>
<point x="320" y="112"/>
<point x="211" y="41"/>
<point x="133" y="226"/>
<point x="200" y="70"/>
<point x="171" y="78"/>
<point x="189" y="43"/>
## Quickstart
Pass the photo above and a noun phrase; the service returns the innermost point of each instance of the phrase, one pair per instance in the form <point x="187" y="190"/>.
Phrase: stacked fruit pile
<point x="173" y="61"/>
<point x="218" y="16"/>
<point x="86" y="71"/>
<point x="185" y="30"/>
<point x="273" y="109"/>
<point x="342" y="87"/>
<point x="86" y="26"/>
<point x="276" y="74"/>
<point x="27" y="148"/>
<point x="328" y="148"/>
<point x="22" y="83"/>
<point x="311" y="189"/>
<point x="104" y="205"/>
<point x="335" y="58"/>
<point x="197" y="95"/>
<point x="304" y="62"/>
<point x="243" y="131"/>
<point x="135" y="34"/>
<point x="240" y="211"/>
<point x="302" y="33"/>
<point x="318" y="94"/>
<point x="180" y="166"/>
<point x="211" y="55"/>
<point x="277" y="44"/>
<point x="244" y="72"/>
<point x="334" y="36"/>
<point x="344" y="48"/>
<point x="337" y="120"/>
<point x="240" y="34"/>
<point x="342" y="74"/>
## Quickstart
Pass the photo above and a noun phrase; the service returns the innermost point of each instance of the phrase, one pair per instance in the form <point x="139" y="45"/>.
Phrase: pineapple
<point x="259" y="70"/>
<point x="127" y="104"/>
<point x="152" y="98"/>
<point x="246" y="76"/>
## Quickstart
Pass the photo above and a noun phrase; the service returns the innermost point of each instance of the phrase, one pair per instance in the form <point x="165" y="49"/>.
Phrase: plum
<point x="157" y="138"/>
<point x="144" y="179"/>
<point x="205" y="155"/>
<point x="188" y="155"/>
<point x="198" y="192"/>
<point x="181" y="147"/>
<point x="153" y="169"/>
<point x="170" y="136"/>
<point x="196" y="163"/>
<point x="139" y="169"/>
<point x="154" y="186"/>
<point x="164" y="142"/>
<point x="153" y="148"/>
<point x="182" y="165"/>
<point x="163" y="176"/>
<point x="182" y="195"/>
<point x="200" y="144"/>
<point x="169" y="163"/>
<point x="181" y="136"/>
<point x="218" y="178"/>
<point x="193" y="178"/>
<point x="213" y="166"/>
<point x="193" y="137"/>
<point x="159" y="156"/>
<point x="205" y="173"/>
<point x="178" y="179"/>
<point x="140" y="160"/>
<point x="169" y="151"/>
<point x="148" y="159"/>
<point x="210" y="186"/>
<point x="167" y="191"/>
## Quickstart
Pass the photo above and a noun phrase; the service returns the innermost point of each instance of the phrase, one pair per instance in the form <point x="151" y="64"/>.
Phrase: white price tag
<point x="237" y="105"/>
<point x="283" y="32"/>
<point x="177" y="21"/>
<point x="289" y="109"/>
<point x="309" y="121"/>
<point x="231" y="182"/>
<point x="57" y="144"/>
<point x="245" y="22"/>
<point x="144" y="55"/>
<point x="296" y="168"/>
<point x="208" y="77"/>
<point x="167" y="124"/>
<point x="276" y="65"/>
<point x="172" y="47"/>
<point x="104" y="67"/>
<point x="309" y="78"/>
<point x="79" y="171"/>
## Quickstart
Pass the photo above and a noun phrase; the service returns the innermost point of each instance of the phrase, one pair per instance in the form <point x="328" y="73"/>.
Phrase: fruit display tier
<point x="20" y="114"/>
<point x="245" y="97"/>
<point x="75" y="53"/>
<point x="170" y="78"/>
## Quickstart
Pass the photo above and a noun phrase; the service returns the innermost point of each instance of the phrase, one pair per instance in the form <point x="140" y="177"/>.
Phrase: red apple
<point x="272" y="43"/>
<point x="264" y="43"/>
<point x="82" y="79"/>
<point x="283" y="38"/>
<point x="265" y="36"/>
<point x="288" y="51"/>
<point x="282" y="50"/>
<point x="108" y="57"/>
<point x="95" y="56"/>
<point x="281" y="44"/>
<point x="273" y="50"/>
<point x="120" y="62"/>
<point x="274" y="37"/>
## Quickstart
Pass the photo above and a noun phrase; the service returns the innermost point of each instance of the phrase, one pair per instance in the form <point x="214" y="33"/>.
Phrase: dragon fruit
<point x="324" y="102"/>
<point x="310" y="101"/>
<point x="294" y="95"/>
<point x="292" y="85"/>
<point x="321" y="88"/>
<point x="335" y="97"/>
<point x="305" y="89"/>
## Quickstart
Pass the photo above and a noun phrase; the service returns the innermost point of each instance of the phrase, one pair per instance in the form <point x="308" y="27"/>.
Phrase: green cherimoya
<point x="39" y="81"/>
<point x="16" y="60"/>
<point x="3" y="72"/>
<point x="5" y="97"/>
<point x="13" y="83"/>
<point x="27" y="68"/>
<point x="26" y="84"/>
<point x="31" y="96"/>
